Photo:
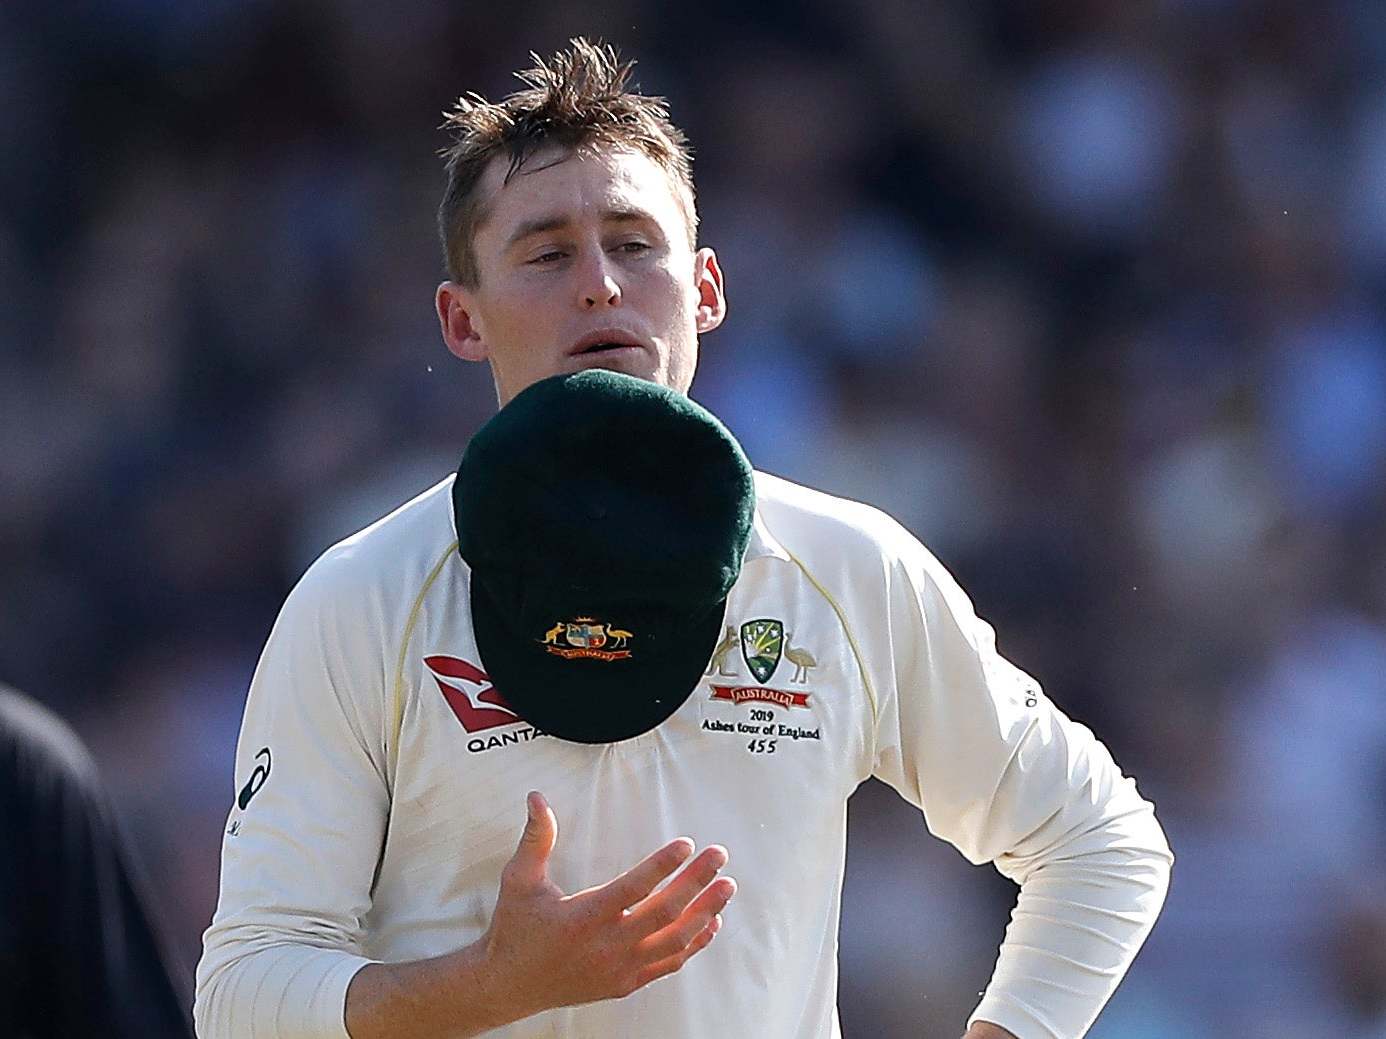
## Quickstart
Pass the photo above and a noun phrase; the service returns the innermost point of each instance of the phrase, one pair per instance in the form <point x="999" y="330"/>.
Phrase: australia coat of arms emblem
<point x="587" y="637"/>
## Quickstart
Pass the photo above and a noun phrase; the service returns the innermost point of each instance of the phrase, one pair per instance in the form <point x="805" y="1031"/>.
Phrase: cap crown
<point x="605" y="520"/>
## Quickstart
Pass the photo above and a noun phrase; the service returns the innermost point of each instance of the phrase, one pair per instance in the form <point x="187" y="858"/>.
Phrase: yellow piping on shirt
<point x="398" y="693"/>
<point x="842" y="619"/>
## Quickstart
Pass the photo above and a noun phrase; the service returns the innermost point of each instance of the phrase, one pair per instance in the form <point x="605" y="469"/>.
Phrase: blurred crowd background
<point x="1090" y="295"/>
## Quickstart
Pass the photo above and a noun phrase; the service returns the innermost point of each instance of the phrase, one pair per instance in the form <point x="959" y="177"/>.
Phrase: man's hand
<point x="607" y="941"/>
<point x="545" y="949"/>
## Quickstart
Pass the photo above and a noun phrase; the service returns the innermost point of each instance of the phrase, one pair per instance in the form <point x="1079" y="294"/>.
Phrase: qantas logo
<point x="477" y="709"/>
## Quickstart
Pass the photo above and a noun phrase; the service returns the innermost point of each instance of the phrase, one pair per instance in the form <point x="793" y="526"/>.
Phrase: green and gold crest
<point x="762" y="641"/>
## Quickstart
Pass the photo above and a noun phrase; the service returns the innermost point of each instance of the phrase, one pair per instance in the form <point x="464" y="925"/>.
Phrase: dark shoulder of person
<point x="79" y="953"/>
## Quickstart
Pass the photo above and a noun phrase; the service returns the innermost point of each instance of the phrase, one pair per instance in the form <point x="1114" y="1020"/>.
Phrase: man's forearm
<point x="420" y="1000"/>
<point x="1078" y="923"/>
<point x="447" y="997"/>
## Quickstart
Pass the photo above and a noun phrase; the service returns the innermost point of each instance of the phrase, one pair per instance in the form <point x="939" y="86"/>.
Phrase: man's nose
<point x="597" y="286"/>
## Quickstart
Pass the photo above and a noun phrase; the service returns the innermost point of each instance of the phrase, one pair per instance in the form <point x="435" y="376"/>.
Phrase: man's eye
<point x="548" y="257"/>
<point x="632" y="247"/>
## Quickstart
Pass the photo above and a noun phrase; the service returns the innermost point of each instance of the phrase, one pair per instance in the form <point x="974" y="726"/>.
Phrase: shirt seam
<point x="397" y="693"/>
<point x="846" y="629"/>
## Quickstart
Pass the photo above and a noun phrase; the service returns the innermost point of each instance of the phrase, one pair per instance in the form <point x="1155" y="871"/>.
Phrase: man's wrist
<point x="457" y="995"/>
<point x="987" y="1030"/>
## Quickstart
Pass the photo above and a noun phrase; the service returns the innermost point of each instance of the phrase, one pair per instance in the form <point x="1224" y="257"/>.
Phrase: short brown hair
<point x="577" y="97"/>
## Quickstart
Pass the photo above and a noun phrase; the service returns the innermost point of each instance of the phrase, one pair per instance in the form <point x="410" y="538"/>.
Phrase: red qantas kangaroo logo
<point x="485" y="709"/>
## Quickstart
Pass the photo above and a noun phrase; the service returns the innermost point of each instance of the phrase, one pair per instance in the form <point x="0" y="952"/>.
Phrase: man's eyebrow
<point x="556" y="221"/>
<point x="625" y="216"/>
<point x="536" y="226"/>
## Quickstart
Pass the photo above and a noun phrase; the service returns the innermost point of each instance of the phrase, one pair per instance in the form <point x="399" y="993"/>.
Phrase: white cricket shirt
<point x="381" y="785"/>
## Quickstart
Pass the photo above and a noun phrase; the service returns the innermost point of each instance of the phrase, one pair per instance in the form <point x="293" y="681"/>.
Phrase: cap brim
<point x="588" y="700"/>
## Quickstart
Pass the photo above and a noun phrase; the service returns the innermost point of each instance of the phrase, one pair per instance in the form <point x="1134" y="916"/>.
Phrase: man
<point x="80" y="955"/>
<point x="371" y="885"/>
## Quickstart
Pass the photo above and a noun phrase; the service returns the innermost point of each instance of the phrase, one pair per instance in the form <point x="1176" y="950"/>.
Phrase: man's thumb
<point x="531" y="860"/>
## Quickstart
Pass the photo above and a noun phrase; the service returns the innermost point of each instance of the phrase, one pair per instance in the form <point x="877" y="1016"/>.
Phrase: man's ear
<point x="712" y="296"/>
<point x="457" y="320"/>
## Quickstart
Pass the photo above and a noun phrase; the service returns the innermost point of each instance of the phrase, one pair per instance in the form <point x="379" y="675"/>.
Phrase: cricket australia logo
<point x="762" y="641"/>
<point x="586" y="637"/>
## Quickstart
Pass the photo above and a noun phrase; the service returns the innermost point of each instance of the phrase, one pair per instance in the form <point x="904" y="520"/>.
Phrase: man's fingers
<point x="669" y="964"/>
<point x="636" y="883"/>
<point x="530" y="863"/>
<point x="690" y="924"/>
<point x="663" y="907"/>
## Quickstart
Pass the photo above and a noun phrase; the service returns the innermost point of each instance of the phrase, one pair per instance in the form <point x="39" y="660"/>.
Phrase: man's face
<point x="584" y="262"/>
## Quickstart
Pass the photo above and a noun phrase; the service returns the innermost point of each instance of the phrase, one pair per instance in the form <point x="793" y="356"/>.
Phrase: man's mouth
<point x="608" y="341"/>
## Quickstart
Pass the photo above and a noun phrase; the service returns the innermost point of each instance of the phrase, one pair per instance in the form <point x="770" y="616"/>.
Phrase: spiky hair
<point x="578" y="97"/>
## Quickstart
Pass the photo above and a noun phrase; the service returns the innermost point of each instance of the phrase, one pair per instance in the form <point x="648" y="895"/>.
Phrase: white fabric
<point x="366" y="843"/>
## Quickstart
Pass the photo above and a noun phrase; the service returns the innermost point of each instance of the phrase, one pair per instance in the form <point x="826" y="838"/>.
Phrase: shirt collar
<point x="762" y="543"/>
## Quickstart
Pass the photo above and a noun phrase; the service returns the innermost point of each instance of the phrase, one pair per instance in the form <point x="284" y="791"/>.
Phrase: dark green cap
<point x="605" y="520"/>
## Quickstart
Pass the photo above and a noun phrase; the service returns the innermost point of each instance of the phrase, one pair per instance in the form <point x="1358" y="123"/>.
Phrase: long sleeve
<point x="1004" y="776"/>
<point x="306" y="828"/>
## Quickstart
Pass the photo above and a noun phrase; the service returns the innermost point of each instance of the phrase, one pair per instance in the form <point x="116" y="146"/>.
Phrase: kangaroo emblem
<point x="718" y="663"/>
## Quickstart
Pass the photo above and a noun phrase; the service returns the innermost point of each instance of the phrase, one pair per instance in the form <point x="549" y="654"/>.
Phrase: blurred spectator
<point x="79" y="951"/>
